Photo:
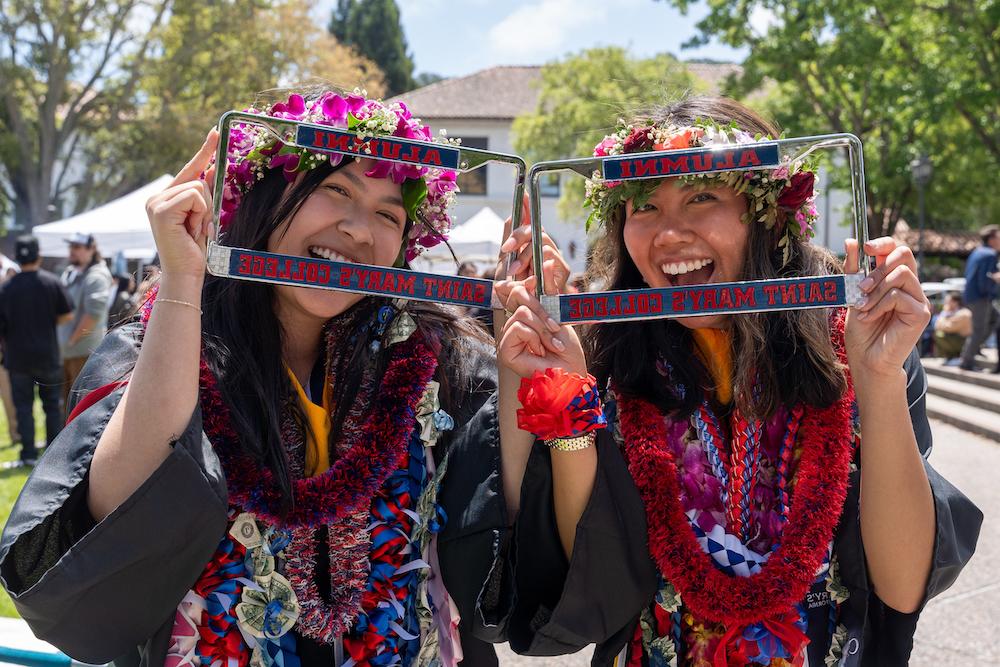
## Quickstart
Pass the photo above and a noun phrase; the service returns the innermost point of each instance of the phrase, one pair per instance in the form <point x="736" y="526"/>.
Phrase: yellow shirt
<point x="318" y="433"/>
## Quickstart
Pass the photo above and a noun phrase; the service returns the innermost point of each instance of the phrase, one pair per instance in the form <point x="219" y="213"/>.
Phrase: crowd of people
<point x="270" y="475"/>
<point x="49" y="327"/>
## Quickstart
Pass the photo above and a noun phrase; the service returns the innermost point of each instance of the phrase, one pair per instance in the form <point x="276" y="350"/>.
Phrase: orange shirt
<point x="715" y="351"/>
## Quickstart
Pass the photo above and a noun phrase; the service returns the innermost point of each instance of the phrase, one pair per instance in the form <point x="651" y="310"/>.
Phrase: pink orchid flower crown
<point x="428" y="193"/>
<point x="784" y="197"/>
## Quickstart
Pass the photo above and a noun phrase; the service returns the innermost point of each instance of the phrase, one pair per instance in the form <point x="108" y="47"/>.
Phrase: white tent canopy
<point x="118" y="226"/>
<point x="477" y="239"/>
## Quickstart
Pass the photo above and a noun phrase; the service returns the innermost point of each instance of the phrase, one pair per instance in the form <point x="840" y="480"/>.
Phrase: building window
<point x="474" y="182"/>
<point x="548" y="185"/>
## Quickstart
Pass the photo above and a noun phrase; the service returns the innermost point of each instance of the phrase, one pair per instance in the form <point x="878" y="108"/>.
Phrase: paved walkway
<point x="957" y="629"/>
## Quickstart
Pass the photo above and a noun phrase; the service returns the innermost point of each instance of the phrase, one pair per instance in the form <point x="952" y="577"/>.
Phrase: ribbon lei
<point x="783" y="628"/>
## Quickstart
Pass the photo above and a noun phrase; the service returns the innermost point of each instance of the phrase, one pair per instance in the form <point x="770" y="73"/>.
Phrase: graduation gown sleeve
<point x="96" y="590"/>
<point x="556" y="605"/>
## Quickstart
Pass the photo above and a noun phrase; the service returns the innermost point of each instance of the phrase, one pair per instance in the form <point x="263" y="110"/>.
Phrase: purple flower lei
<point x="252" y="151"/>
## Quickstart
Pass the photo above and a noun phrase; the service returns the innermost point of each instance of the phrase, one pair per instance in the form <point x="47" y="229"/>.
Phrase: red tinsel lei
<point x="354" y="479"/>
<point x="815" y="510"/>
<point x="351" y="482"/>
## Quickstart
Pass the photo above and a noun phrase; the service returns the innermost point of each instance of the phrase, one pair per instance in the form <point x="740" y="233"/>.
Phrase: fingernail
<point x="516" y="266"/>
<point x="862" y="314"/>
<point x="867" y="283"/>
<point x="863" y="302"/>
<point x="558" y="344"/>
<point x="552" y="325"/>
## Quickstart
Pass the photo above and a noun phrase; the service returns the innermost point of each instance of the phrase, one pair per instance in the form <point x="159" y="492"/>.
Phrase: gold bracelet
<point x="161" y="299"/>
<point x="572" y="444"/>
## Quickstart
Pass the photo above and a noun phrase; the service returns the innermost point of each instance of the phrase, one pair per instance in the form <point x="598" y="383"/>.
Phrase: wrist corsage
<point x="561" y="408"/>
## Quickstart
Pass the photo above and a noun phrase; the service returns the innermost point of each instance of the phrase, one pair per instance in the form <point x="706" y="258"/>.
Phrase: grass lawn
<point x="11" y="481"/>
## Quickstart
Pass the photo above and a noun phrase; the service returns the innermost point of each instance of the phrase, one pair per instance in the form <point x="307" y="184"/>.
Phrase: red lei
<point x="815" y="510"/>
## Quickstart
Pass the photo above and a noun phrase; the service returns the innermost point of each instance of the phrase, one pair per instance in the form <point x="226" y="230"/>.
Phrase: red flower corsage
<point x="558" y="404"/>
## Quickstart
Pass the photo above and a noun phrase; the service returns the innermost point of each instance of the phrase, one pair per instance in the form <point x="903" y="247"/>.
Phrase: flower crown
<point x="427" y="192"/>
<point x="776" y="196"/>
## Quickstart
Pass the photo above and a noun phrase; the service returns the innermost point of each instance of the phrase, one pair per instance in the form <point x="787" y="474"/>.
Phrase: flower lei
<point x="354" y="478"/>
<point x="775" y="196"/>
<point x="783" y="581"/>
<point x="427" y="193"/>
<point x="359" y="481"/>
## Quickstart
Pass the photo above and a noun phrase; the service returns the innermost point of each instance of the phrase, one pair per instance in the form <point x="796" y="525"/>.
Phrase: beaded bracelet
<point x="572" y="444"/>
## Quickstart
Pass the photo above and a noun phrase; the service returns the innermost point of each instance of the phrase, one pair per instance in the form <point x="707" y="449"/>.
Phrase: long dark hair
<point x="787" y="353"/>
<point x="242" y="335"/>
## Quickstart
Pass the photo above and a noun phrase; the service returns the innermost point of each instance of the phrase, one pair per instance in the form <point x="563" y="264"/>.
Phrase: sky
<point x="458" y="37"/>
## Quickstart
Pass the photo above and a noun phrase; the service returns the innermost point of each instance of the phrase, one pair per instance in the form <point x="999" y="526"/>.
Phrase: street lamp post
<point x="921" y="169"/>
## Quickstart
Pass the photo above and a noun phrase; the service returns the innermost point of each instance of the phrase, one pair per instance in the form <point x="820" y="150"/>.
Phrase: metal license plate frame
<point x="675" y="302"/>
<point x="246" y="264"/>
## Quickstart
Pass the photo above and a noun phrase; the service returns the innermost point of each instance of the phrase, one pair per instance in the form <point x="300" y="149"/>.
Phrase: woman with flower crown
<point x="274" y="475"/>
<point x="761" y="494"/>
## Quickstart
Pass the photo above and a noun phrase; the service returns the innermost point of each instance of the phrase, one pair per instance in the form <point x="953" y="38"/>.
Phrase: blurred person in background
<point x="8" y="269"/>
<point x="88" y="284"/>
<point x="124" y="302"/>
<point x="981" y="280"/>
<point x="32" y="304"/>
<point x="952" y="326"/>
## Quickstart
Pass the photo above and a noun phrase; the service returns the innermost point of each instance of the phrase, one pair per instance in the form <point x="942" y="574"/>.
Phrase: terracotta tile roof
<point x="506" y="91"/>
<point x="955" y="243"/>
<point x="502" y="92"/>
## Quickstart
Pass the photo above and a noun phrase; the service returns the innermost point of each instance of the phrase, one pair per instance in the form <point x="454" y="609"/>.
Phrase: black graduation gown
<point x="108" y="591"/>
<point x="548" y="605"/>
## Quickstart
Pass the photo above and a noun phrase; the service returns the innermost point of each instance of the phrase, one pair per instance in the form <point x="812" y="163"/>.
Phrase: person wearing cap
<point x="32" y="304"/>
<point x="88" y="283"/>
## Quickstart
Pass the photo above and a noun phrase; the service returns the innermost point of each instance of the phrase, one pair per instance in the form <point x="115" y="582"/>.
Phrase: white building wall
<point x="500" y="180"/>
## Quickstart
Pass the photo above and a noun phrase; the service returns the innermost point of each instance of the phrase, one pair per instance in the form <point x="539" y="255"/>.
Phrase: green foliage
<point x="81" y="124"/>
<point x="905" y="77"/>
<point x="67" y="68"/>
<point x="581" y="98"/>
<point x="372" y="27"/>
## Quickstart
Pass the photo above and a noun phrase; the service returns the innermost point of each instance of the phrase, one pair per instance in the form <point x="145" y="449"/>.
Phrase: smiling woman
<point x="274" y="475"/>
<point x="761" y="495"/>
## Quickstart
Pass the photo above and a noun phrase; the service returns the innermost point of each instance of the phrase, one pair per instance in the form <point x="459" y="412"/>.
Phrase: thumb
<point x="851" y="256"/>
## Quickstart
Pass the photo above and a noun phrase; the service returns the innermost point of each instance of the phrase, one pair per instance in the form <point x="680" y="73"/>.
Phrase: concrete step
<point x="981" y="378"/>
<point x="957" y="389"/>
<point x="984" y="422"/>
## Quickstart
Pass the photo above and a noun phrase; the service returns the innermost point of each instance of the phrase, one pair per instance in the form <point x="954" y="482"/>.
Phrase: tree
<point x="188" y="88"/>
<point x="905" y="77"/>
<point x="372" y="27"/>
<point x="90" y="113"/>
<point x="581" y="98"/>
<point x="67" y="68"/>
